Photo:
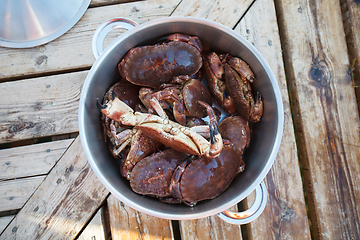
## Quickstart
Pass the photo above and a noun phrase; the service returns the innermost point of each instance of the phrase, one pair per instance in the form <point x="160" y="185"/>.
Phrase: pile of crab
<point x="178" y="119"/>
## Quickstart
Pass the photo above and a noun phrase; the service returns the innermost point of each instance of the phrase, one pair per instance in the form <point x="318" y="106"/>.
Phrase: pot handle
<point x="103" y="30"/>
<point x="252" y="213"/>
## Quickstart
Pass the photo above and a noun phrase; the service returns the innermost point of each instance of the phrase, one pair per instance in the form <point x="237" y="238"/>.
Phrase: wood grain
<point x="226" y="12"/>
<point x="210" y="228"/>
<point x="4" y="221"/>
<point x="95" y="229"/>
<point x="126" y="223"/>
<point x="63" y="203"/>
<point x="15" y="193"/>
<point x="285" y="215"/>
<point x="325" y="114"/>
<point x="31" y="160"/>
<point x="73" y="49"/>
<point x="50" y="108"/>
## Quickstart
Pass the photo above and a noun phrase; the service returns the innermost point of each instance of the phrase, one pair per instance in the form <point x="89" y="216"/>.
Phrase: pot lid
<point x="29" y="23"/>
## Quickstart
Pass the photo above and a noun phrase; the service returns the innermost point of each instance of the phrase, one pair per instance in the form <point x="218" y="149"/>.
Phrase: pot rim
<point x="258" y="179"/>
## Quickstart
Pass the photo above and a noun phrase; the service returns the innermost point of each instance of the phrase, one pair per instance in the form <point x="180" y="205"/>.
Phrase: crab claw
<point x="115" y="109"/>
<point x="258" y="109"/>
<point x="100" y="106"/>
<point x="216" y="143"/>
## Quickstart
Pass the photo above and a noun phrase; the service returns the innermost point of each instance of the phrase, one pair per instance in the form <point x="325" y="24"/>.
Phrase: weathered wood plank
<point x="210" y="228"/>
<point x="351" y="18"/>
<point x="31" y="160"/>
<point x="4" y="221"/>
<point x="63" y="203"/>
<point x="126" y="223"/>
<point x="325" y="114"/>
<point x="16" y="192"/>
<point x="95" y="229"/>
<point x="50" y="108"/>
<point x="225" y="12"/>
<point x="285" y="215"/>
<point x="73" y="49"/>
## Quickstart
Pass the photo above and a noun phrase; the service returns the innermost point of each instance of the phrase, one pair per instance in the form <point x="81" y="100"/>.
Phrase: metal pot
<point x="266" y="135"/>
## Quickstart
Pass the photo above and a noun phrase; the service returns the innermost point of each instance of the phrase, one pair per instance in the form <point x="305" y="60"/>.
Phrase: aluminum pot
<point x="266" y="134"/>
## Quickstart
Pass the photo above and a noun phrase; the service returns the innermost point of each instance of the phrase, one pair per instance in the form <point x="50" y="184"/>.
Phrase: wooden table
<point x="48" y="190"/>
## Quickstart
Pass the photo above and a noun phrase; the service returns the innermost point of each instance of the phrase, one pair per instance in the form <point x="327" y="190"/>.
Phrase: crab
<point x="153" y="65"/>
<point x="236" y="130"/>
<point x="183" y="94"/>
<point x="165" y="131"/>
<point x="152" y="175"/>
<point x="229" y="79"/>
<point x="202" y="178"/>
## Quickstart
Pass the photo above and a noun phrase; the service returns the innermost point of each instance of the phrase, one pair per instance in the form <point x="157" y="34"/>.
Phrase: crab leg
<point x="122" y="136"/>
<point x="213" y="149"/>
<point x="203" y="130"/>
<point x="155" y="104"/>
<point x="257" y="109"/>
<point x="123" y="145"/>
<point x="178" y="109"/>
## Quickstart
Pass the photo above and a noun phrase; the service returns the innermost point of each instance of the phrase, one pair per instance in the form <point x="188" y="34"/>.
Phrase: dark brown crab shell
<point x="157" y="64"/>
<point x="125" y="91"/>
<point x="237" y="130"/>
<point x="152" y="175"/>
<point x="141" y="147"/>
<point x="240" y="91"/>
<point x="194" y="91"/>
<point x="206" y="178"/>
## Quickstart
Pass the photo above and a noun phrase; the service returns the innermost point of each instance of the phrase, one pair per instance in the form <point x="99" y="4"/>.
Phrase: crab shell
<point x="238" y="77"/>
<point x="141" y="146"/>
<point x="125" y="91"/>
<point x="205" y="178"/>
<point x="237" y="130"/>
<point x="192" y="92"/>
<point x="152" y="175"/>
<point x="239" y="91"/>
<point x="153" y="65"/>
